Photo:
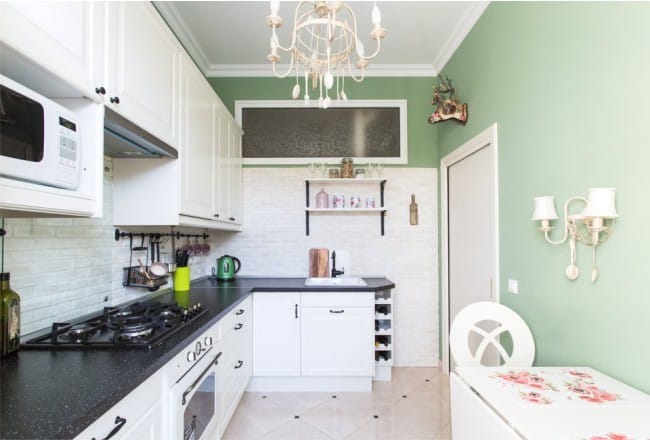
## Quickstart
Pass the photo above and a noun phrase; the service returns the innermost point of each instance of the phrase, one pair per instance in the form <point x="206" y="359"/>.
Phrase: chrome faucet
<point x="334" y="271"/>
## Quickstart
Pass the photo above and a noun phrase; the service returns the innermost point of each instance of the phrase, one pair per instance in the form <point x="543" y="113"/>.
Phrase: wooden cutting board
<point x="319" y="263"/>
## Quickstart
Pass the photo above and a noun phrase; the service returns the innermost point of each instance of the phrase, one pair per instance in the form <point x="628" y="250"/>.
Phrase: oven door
<point x="194" y="400"/>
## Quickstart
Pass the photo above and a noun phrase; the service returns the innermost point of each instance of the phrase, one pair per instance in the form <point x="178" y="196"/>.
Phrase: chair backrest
<point x="466" y="323"/>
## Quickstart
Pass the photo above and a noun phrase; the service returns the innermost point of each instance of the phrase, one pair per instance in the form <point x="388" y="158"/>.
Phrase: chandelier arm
<point x="375" y="53"/>
<point x="285" y="74"/>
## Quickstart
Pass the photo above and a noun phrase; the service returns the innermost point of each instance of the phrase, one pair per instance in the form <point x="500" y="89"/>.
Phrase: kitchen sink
<point x="340" y="281"/>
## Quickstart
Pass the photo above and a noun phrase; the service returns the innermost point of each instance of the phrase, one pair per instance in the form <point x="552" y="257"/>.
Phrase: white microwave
<point x="39" y="139"/>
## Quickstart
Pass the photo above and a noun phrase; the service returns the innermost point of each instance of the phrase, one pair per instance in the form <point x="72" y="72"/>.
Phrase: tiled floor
<point x="413" y="406"/>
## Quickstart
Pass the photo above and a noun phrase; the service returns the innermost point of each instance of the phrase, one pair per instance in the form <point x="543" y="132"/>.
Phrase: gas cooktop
<point x="139" y="325"/>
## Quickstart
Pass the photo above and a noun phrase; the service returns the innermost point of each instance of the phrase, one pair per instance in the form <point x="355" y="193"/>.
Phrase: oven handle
<point x="196" y="382"/>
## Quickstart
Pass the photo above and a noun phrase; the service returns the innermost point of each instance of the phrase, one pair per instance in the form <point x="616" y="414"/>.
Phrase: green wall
<point x="569" y="85"/>
<point x="417" y="91"/>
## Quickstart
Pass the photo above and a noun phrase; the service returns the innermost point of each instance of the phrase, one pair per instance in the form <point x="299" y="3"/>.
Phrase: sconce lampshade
<point x="544" y="208"/>
<point x="600" y="203"/>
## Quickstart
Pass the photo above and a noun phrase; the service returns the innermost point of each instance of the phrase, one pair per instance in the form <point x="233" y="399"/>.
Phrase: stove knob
<point x="208" y="341"/>
<point x="191" y="356"/>
<point x="198" y="306"/>
<point x="197" y="348"/>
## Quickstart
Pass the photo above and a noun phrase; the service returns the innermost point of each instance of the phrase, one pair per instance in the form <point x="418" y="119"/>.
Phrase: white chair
<point x="466" y="323"/>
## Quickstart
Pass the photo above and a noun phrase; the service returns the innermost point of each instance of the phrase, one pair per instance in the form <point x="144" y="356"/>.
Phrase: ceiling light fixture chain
<point x="323" y="39"/>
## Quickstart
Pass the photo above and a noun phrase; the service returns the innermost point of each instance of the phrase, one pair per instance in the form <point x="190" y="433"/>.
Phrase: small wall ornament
<point x="448" y="105"/>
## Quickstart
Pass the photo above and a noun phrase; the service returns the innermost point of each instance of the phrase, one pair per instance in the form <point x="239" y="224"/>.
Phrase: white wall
<point x="274" y="242"/>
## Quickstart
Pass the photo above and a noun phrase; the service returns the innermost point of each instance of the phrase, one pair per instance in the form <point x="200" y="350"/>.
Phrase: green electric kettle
<point x="227" y="267"/>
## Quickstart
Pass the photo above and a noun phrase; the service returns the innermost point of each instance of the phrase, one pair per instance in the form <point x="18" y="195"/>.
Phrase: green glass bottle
<point x="9" y="317"/>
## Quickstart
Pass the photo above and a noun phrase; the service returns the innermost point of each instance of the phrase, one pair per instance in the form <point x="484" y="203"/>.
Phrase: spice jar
<point x="347" y="170"/>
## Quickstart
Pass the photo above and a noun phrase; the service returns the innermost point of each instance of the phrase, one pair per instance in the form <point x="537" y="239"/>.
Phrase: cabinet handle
<point x="337" y="311"/>
<point x="100" y="90"/>
<point x="240" y="312"/>
<point x="295" y="310"/>
<point x="216" y="215"/>
<point x="232" y="219"/>
<point x="120" y="422"/>
<point x="239" y="364"/>
<point x="239" y="326"/>
<point x="115" y="99"/>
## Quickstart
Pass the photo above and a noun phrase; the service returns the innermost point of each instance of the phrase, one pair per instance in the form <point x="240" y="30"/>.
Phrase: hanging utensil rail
<point x="177" y="235"/>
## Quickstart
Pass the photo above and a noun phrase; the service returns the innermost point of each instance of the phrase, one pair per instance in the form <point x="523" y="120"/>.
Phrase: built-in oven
<point x="195" y="407"/>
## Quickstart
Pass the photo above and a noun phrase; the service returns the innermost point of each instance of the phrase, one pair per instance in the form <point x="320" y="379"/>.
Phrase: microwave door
<point x="21" y="127"/>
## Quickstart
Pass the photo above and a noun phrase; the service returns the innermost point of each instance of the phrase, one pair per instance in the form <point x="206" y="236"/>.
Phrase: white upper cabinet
<point x="142" y="65"/>
<point x="61" y="37"/>
<point x="197" y="143"/>
<point x="194" y="190"/>
<point x="228" y="199"/>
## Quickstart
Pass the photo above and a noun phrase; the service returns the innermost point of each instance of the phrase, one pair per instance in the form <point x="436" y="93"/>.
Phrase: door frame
<point x="481" y="140"/>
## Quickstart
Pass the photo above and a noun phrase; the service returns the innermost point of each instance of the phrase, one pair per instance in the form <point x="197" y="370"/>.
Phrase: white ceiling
<point x="230" y="38"/>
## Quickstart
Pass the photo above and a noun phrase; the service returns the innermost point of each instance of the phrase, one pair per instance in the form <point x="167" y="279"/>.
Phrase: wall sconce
<point x="592" y="226"/>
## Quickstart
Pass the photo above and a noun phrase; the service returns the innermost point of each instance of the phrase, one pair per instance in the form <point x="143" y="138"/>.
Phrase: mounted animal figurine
<point x="448" y="105"/>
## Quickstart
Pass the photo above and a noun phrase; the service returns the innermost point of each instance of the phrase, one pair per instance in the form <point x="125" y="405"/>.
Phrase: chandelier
<point x="323" y="39"/>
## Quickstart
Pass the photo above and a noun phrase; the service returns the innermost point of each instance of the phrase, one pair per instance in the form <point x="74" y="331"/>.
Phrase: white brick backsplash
<point x="64" y="268"/>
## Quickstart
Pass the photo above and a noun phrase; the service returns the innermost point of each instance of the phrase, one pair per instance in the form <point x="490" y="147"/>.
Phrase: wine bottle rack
<point x="384" y="338"/>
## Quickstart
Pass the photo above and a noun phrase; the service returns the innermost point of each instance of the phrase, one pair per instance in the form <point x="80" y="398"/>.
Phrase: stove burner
<point x="137" y="325"/>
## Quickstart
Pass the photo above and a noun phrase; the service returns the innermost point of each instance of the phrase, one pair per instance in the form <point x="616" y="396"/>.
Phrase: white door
<point x="471" y="220"/>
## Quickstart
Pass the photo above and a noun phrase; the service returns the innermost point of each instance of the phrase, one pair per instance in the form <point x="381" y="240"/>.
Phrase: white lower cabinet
<point x="139" y="416"/>
<point x="236" y="368"/>
<point x="336" y="341"/>
<point x="276" y="334"/>
<point x="312" y="341"/>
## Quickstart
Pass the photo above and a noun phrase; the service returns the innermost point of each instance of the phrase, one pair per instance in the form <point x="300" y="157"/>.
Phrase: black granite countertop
<point x="47" y="394"/>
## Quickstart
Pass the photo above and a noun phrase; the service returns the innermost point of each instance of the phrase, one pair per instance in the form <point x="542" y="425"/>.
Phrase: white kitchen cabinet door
<point x="144" y="402"/>
<point x="222" y="161"/>
<point x="197" y="152"/>
<point x="235" y="174"/>
<point x="142" y="67"/>
<point x="276" y="334"/>
<point x="235" y="369"/>
<point x="337" y="341"/>
<point x="147" y="427"/>
<point x="62" y="37"/>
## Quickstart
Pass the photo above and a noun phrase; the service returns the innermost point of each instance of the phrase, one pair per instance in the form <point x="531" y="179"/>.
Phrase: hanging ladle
<point x="572" y="272"/>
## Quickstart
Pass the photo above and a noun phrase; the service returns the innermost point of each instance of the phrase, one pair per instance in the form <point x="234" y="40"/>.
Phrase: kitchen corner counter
<point x="49" y="394"/>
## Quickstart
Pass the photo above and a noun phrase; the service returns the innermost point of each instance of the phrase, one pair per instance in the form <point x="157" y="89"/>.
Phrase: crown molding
<point x="467" y="22"/>
<point x="178" y="26"/>
<point x="265" y="70"/>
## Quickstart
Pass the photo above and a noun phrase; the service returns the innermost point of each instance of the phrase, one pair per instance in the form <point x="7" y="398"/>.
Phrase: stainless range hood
<point x="124" y="139"/>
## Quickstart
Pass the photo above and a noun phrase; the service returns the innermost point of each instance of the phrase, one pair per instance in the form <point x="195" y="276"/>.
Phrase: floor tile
<point x="296" y="430"/>
<point x="413" y="406"/>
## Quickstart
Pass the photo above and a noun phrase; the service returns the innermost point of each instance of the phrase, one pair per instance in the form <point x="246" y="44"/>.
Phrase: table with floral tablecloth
<point x="562" y="402"/>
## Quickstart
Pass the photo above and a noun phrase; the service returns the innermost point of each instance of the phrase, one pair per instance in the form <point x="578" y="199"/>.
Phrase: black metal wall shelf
<point x="381" y="210"/>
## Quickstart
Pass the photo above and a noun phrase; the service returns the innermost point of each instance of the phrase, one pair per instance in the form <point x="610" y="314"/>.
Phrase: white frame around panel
<point x="481" y="140"/>
<point x="401" y="103"/>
